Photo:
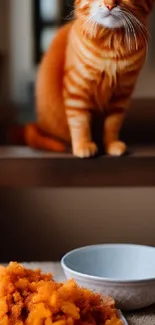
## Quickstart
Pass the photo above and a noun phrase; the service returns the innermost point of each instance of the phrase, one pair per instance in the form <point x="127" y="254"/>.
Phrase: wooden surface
<point x="23" y="167"/>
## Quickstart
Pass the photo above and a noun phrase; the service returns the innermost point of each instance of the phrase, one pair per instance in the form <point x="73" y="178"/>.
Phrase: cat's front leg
<point x="114" y="118"/>
<point x="78" y="108"/>
<point x="79" y="120"/>
<point x="112" y="126"/>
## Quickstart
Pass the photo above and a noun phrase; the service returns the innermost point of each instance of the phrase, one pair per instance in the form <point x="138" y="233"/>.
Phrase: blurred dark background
<point x="27" y="28"/>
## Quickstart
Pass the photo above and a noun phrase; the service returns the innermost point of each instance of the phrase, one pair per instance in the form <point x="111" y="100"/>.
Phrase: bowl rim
<point x="106" y="279"/>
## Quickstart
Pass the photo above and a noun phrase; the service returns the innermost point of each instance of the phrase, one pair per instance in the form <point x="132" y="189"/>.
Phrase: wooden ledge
<point x="23" y="167"/>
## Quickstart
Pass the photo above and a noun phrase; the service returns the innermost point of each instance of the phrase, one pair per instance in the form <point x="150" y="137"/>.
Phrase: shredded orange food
<point x="29" y="297"/>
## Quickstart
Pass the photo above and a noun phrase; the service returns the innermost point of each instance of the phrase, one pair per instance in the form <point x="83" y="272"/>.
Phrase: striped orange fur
<point x="91" y="68"/>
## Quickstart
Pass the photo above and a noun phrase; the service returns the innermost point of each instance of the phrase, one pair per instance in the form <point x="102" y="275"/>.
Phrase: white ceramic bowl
<point x="125" y="272"/>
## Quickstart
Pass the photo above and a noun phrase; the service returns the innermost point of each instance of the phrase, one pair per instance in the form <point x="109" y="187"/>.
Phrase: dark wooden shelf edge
<point x="134" y="170"/>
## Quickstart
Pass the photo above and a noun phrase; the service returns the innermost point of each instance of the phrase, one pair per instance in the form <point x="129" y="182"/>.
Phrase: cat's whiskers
<point x="90" y="26"/>
<point x="71" y="15"/>
<point x="133" y="17"/>
<point x="139" y="27"/>
<point x="132" y="32"/>
<point x="127" y="29"/>
<point x="139" y="24"/>
<point x="144" y="32"/>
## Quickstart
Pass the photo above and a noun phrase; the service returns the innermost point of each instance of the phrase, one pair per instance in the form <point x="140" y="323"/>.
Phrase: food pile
<point x="29" y="297"/>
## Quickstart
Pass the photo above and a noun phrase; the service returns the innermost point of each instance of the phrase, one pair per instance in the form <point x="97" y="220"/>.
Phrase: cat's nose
<point x="111" y="4"/>
<point x="110" y="7"/>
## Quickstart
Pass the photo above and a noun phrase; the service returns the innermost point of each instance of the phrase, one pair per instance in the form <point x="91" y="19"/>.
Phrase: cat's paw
<point x="85" y="150"/>
<point x="116" y="148"/>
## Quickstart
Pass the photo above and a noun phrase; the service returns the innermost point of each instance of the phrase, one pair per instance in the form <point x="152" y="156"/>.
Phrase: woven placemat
<point x="144" y="317"/>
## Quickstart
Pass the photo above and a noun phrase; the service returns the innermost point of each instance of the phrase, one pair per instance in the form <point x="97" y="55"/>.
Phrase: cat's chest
<point x="92" y="63"/>
<point x="97" y="57"/>
<point x="94" y="68"/>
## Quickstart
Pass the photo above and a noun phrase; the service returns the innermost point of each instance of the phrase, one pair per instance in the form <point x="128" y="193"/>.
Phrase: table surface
<point x="145" y="317"/>
<point x="24" y="167"/>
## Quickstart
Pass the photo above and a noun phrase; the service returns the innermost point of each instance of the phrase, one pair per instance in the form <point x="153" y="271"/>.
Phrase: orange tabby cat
<point x="90" y="68"/>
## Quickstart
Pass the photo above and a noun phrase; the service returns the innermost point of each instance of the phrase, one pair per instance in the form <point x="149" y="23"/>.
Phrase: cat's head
<point x="114" y="13"/>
